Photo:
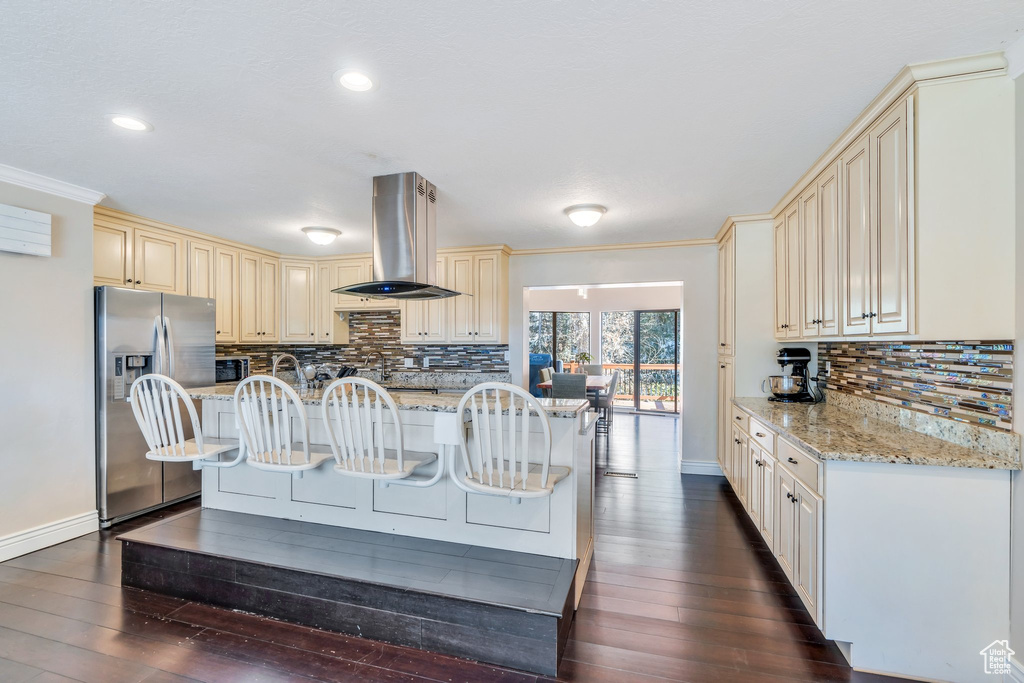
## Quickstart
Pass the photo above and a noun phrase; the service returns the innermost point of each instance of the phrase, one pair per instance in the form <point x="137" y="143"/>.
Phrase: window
<point x="643" y="345"/>
<point x="563" y="334"/>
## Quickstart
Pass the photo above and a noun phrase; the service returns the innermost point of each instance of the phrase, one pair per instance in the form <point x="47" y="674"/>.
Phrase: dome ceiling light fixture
<point x="130" y="123"/>
<point x="354" y="79"/>
<point x="585" y="215"/>
<point x="320" y="235"/>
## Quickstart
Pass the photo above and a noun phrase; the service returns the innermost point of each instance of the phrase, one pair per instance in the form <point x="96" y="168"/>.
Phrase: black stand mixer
<point x="796" y="386"/>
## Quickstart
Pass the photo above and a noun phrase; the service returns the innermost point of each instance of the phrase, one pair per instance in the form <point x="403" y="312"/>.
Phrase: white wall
<point x="47" y="448"/>
<point x="696" y="267"/>
<point x="1017" y="492"/>
<point x="605" y="299"/>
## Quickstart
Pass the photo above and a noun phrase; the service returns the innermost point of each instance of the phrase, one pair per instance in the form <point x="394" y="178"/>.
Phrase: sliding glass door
<point x="644" y="347"/>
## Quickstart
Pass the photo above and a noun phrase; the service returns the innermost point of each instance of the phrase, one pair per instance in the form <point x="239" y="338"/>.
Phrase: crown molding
<point x="34" y="181"/>
<point x="1015" y="58"/>
<point x="972" y="67"/>
<point x="730" y="221"/>
<point x="703" y="242"/>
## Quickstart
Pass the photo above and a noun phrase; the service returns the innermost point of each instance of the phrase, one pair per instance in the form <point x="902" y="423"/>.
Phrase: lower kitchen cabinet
<point x="740" y="464"/>
<point x="807" y="542"/>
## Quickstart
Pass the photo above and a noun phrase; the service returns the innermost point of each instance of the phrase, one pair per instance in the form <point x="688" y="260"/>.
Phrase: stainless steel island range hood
<point x="404" y="247"/>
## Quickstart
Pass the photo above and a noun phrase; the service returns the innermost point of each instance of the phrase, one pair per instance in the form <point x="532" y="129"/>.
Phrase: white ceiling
<point x="673" y="114"/>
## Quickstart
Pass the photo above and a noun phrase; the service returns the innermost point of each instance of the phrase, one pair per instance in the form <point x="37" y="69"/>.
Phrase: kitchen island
<point x="560" y="525"/>
<point x="879" y="526"/>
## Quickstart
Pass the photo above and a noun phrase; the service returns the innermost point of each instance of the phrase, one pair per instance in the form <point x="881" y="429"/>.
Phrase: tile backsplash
<point x="379" y="331"/>
<point x="968" y="381"/>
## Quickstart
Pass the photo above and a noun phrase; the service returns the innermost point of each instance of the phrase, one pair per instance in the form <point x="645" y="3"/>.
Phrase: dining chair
<point x="354" y="411"/>
<point x="156" y="403"/>
<point x="593" y="369"/>
<point x="568" y="385"/>
<point x="545" y="376"/>
<point x="265" y="407"/>
<point x="605" y="405"/>
<point x="499" y="458"/>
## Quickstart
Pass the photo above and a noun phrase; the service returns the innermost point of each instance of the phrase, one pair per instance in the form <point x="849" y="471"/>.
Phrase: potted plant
<point x="582" y="358"/>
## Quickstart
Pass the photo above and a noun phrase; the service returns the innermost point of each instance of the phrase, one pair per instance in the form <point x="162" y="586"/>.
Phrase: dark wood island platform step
<point x="497" y="606"/>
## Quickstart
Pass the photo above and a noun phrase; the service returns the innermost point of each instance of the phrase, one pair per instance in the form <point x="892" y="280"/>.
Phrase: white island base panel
<point x="560" y="525"/>
<point x="917" y="566"/>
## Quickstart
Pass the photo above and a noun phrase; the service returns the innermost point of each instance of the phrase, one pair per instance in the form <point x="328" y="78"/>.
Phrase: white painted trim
<point x="1016" y="668"/>
<point x="706" y="468"/>
<point x="34" y="181"/>
<point x="1015" y="58"/>
<point x="30" y="540"/>
<point x="736" y="220"/>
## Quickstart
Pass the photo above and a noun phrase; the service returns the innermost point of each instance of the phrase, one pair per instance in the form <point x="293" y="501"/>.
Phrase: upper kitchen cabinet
<point x="727" y="294"/>
<point x="906" y="224"/>
<point x="352" y="271"/>
<point x="787" y="273"/>
<point x="200" y="269"/>
<point x="136" y="256"/>
<point x="258" y="308"/>
<point x="426" y="322"/>
<point x="324" y="302"/>
<point x="480" y="314"/>
<point x="226" y="292"/>
<point x="298" y="302"/>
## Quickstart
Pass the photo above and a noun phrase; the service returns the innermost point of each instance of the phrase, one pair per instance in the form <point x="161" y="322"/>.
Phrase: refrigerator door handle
<point x="169" y="347"/>
<point x="158" y="346"/>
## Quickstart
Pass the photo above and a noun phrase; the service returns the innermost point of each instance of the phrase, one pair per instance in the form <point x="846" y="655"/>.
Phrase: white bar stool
<point x="156" y="403"/>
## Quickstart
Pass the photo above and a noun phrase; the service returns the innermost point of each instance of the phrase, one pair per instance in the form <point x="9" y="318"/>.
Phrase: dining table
<point x="595" y="383"/>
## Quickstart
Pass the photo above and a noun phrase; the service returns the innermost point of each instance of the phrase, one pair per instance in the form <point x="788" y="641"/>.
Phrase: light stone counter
<point x="443" y="402"/>
<point x="833" y="433"/>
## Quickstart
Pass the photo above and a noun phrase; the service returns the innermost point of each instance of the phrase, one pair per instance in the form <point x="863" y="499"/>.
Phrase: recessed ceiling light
<point x="353" y="79"/>
<point x="321" y="235"/>
<point x="130" y="123"/>
<point x="585" y="215"/>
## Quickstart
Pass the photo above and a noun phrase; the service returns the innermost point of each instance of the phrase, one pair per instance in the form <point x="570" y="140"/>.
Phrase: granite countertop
<point x="447" y="401"/>
<point x="833" y="433"/>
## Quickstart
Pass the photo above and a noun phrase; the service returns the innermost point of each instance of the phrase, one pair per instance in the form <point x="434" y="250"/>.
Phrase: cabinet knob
<point x="792" y="460"/>
<point x="129" y="280"/>
<point x="739" y="417"/>
<point x="736" y="440"/>
<point x="760" y="435"/>
<point x="218" y="331"/>
<point x="722" y="344"/>
<point x="310" y="334"/>
<point x="872" y="315"/>
<point x="138" y="282"/>
<point x="789" y="495"/>
<point x="863" y="316"/>
<point x="793" y="499"/>
<point x="722" y="366"/>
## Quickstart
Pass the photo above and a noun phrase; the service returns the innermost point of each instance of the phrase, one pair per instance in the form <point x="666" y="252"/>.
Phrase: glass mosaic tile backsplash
<point x="970" y="381"/>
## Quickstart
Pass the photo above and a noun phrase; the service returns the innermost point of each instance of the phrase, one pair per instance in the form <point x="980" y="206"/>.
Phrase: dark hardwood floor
<point x="681" y="589"/>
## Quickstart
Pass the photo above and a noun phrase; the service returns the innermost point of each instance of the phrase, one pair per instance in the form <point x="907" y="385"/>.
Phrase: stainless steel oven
<point x="232" y="368"/>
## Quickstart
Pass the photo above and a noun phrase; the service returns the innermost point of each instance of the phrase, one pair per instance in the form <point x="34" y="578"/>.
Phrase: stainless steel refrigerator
<point x="138" y="333"/>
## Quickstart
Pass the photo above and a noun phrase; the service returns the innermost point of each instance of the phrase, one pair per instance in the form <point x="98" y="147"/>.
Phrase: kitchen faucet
<point x="298" y="371"/>
<point x="384" y="374"/>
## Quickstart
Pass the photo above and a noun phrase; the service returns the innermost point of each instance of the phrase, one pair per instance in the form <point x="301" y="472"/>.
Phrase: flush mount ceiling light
<point x="353" y="79"/>
<point x="585" y="215"/>
<point x="320" y="235"/>
<point x="130" y="123"/>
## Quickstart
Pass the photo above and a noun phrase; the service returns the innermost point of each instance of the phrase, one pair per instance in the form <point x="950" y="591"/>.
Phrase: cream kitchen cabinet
<point x="426" y="322"/>
<point x="259" y="307"/>
<point x="741" y="464"/>
<point x="787" y="273"/>
<point x="727" y="295"/>
<point x="324" y="302"/>
<point x="479" y="315"/>
<point x="200" y="269"/>
<point x="807" y="550"/>
<point x="226" y="292"/>
<point x="298" y="302"/>
<point x="353" y="271"/>
<point x="139" y="258"/>
<point x="726" y="387"/>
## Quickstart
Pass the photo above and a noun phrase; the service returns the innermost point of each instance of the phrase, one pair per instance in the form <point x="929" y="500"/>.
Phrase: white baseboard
<point x="1016" y="671"/>
<point x="709" y="468"/>
<point x="17" y="544"/>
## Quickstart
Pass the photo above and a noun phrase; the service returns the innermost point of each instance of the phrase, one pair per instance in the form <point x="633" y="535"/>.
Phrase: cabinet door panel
<point x="250" y="299"/>
<point x="793" y="275"/>
<point x="741" y="463"/>
<point x="434" y="322"/>
<point x="485" y="297"/>
<point x="785" y="543"/>
<point x="200" y="269"/>
<point x="112" y="256"/>
<point x="324" y="301"/>
<point x="857" y="244"/>
<point x="726" y="294"/>
<point x="808" y="529"/>
<point x="768" y="500"/>
<point x="160" y="262"/>
<point x="781" y="274"/>
<point x="346" y="273"/>
<point x="890" y="295"/>
<point x="828" y="237"/>
<point x="810" y="276"/>
<point x="226" y="292"/>
<point x="725" y="428"/>
<point x="269" y="300"/>
<point x="298" y="302"/>
<point x="462" y="307"/>
<point x="755" y="502"/>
